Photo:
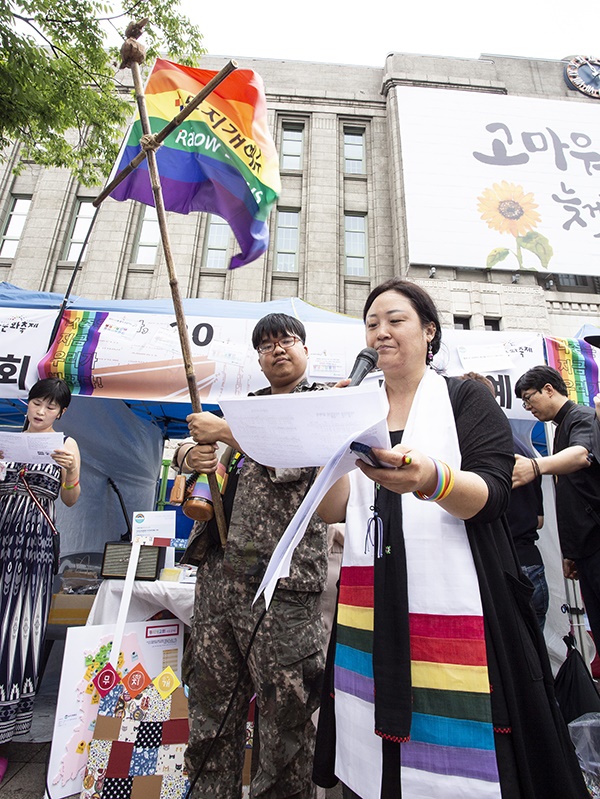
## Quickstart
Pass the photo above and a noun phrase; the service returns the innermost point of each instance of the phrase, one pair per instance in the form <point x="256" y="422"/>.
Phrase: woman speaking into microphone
<point x="438" y="681"/>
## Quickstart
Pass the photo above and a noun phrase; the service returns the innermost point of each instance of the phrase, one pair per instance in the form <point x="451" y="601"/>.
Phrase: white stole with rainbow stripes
<point x="451" y="749"/>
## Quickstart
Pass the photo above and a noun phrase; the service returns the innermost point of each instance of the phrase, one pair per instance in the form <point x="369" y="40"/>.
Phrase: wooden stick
<point x="174" y="284"/>
<point x="168" y="128"/>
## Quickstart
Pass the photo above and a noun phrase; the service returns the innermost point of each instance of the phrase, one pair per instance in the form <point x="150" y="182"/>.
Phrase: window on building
<point x="13" y="229"/>
<point x="355" y="240"/>
<point x="462" y="322"/>
<point x="84" y="213"/>
<point x="217" y="242"/>
<point x="291" y="146"/>
<point x="148" y="237"/>
<point x="286" y="252"/>
<point x="354" y="151"/>
<point x="492" y="324"/>
<point x="573" y="281"/>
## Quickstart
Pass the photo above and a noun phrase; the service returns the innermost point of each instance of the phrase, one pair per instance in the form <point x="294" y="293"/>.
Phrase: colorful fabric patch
<point x="98" y="757"/>
<point x="109" y="701"/>
<point x="129" y="730"/>
<point x="143" y="761"/>
<point x="170" y="759"/>
<point x="119" y="760"/>
<point x="158" y="709"/>
<point x="137" y="708"/>
<point x="179" y="704"/>
<point x="175" y="731"/>
<point x="117" y="788"/>
<point x="149" y="735"/>
<point x="107" y="728"/>
<point x="148" y="787"/>
<point x="174" y="787"/>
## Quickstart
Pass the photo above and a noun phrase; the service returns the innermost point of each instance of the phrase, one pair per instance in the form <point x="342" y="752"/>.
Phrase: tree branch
<point x="55" y="48"/>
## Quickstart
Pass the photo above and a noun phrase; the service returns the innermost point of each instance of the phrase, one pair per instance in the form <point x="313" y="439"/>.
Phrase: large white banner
<point x="24" y="338"/>
<point x="136" y="356"/>
<point x="131" y="356"/>
<point x="500" y="356"/>
<point x="498" y="181"/>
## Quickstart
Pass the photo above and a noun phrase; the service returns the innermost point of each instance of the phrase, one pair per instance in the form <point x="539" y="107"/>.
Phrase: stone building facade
<point x="339" y="227"/>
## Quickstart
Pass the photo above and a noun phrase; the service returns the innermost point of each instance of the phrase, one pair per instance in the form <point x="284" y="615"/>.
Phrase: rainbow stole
<point x="451" y="731"/>
<point x="222" y="159"/>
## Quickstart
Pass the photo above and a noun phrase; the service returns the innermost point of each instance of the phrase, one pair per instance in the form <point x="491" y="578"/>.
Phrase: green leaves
<point x="58" y="94"/>
<point x="532" y="241"/>
<point x="498" y="254"/>
<point x="537" y="244"/>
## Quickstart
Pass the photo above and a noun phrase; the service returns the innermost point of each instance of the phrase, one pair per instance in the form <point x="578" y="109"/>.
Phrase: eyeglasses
<point x="527" y="398"/>
<point x="287" y="342"/>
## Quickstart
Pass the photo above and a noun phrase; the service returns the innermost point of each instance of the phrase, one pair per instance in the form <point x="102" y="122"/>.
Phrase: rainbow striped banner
<point x="222" y="159"/>
<point x="574" y="359"/>
<point x="72" y="353"/>
<point x="451" y="730"/>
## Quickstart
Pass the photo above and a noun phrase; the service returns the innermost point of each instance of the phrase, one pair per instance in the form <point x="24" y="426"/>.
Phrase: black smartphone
<point x="365" y="453"/>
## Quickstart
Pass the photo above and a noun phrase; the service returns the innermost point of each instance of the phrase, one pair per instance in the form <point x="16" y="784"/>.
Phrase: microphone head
<point x="365" y="361"/>
<point x="370" y="354"/>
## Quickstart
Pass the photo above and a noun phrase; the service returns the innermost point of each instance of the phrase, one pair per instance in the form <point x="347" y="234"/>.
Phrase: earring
<point x="429" y="354"/>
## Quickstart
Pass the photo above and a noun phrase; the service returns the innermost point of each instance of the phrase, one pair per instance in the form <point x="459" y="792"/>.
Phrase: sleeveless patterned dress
<point x="26" y="575"/>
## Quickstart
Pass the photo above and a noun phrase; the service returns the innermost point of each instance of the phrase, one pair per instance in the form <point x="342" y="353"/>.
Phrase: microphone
<point x="365" y="361"/>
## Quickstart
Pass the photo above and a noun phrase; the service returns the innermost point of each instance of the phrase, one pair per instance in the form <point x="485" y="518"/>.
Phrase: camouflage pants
<point x="284" y="670"/>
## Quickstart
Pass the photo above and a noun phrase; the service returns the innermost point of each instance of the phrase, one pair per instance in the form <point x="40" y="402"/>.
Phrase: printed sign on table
<point x="115" y="732"/>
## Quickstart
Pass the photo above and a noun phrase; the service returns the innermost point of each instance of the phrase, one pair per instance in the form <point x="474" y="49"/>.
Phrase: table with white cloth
<point x="148" y="598"/>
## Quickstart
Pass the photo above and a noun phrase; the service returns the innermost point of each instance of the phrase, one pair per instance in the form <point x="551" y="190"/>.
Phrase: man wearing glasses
<point x="285" y="664"/>
<point x="577" y="478"/>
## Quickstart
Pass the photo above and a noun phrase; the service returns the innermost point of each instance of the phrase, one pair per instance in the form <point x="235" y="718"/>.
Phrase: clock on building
<point x="583" y="73"/>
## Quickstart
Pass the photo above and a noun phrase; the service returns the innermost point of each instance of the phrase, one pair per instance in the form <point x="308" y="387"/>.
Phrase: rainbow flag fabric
<point x="451" y="731"/>
<point x="221" y="160"/>
<point x="72" y="353"/>
<point x="574" y="359"/>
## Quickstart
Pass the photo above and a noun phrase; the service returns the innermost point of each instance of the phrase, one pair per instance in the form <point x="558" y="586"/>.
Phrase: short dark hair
<point x="51" y="388"/>
<point x="485" y="381"/>
<point x="418" y="298"/>
<point x="537" y="377"/>
<point x="277" y="324"/>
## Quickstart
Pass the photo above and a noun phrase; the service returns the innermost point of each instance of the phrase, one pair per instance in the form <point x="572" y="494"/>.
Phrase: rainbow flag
<point x="222" y="159"/>
<point x="72" y="353"/>
<point x="574" y="359"/>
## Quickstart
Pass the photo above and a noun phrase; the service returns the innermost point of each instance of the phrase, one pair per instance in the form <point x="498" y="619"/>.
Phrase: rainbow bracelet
<point x="68" y="487"/>
<point x="445" y="483"/>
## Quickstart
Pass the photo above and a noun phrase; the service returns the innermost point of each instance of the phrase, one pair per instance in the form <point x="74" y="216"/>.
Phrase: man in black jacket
<point x="544" y="394"/>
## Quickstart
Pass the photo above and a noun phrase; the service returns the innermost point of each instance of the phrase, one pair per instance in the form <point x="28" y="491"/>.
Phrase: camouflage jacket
<point x="265" y="502"/>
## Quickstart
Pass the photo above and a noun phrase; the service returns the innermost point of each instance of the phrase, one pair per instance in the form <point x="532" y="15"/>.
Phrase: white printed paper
<point x="30" y="447"/>
<point x="303" y="429"/>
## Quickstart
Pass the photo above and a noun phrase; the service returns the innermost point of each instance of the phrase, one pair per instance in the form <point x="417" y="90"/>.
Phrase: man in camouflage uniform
<point x="285" y="665"/>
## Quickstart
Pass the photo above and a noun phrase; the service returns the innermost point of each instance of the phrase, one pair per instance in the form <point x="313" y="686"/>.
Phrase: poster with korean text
<point x="496" y="181"/>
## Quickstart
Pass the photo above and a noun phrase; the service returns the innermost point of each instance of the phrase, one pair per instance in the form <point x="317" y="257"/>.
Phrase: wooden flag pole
<point x="149" y="144"/>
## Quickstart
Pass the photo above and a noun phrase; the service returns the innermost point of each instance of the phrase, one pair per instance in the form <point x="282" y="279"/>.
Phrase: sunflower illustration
<point x="506" y="207"/>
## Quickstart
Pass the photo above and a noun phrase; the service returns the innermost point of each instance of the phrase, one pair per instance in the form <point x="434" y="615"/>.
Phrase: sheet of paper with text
<point x="304" y="429"/>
